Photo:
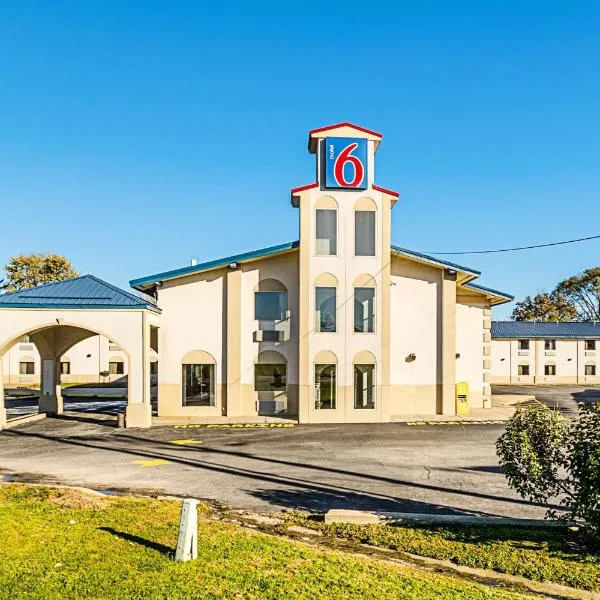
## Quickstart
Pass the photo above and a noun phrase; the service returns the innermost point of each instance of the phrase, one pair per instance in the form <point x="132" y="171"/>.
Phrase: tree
<point x="30" y="270"/>
<point x="548" y="458"/>
<point x="545" y="307"/>
<point x="582" y="291"/>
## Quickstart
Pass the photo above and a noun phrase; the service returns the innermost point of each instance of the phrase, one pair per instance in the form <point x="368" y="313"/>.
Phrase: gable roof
<point x="545" y="329"/>
<point x="500" y="297"/>
<point x="85" y="292"/>
<point x="143" y="283"/>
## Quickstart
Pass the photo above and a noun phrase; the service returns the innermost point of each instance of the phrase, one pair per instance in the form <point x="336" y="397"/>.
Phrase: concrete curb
<point x="15" y="421"/>
<point x="359" y="517"/>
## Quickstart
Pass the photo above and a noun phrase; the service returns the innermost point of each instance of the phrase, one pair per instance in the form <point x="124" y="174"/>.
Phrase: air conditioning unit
<point x="269" y="335"/>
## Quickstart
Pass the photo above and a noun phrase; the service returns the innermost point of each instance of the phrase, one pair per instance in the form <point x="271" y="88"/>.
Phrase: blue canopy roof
<point x="85" y="292"/>
<point x="545" y="329"/>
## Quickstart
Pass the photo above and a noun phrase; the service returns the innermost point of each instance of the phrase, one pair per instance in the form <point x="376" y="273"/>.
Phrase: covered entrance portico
<point x="59" y="315"/>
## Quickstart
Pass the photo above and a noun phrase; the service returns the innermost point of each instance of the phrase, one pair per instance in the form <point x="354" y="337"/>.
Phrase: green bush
<point x="548" y="458"/>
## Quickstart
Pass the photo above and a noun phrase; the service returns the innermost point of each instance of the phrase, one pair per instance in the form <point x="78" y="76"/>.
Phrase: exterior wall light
<point x="411" y="358"/>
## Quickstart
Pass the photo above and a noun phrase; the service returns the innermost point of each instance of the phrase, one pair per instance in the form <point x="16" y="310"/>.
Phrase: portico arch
<point x="59" y="315"/>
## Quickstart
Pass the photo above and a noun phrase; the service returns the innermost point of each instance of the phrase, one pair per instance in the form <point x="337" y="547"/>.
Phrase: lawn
<point x="557" y="555"/>
<point x="64" y="544"/>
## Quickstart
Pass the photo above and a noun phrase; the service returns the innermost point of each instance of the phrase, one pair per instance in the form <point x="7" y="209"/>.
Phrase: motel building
<point x="340" y="326"/>
<point x="527" y="352"/>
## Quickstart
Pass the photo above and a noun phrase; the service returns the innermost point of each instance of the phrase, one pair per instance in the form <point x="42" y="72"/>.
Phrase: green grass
<point x="59" y="544"/>
<point x="557" y="555"/>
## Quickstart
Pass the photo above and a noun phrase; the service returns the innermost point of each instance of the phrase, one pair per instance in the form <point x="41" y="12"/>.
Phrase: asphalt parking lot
<point x="392" y="467"/>
<point x="564" y="397"/>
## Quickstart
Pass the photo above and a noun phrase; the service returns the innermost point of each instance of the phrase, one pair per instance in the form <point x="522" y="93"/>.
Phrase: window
<point x="65" y="368"/>
<point x="364" y="310"/>
<point x="270" y="306"/>
<point x="549" y="369"/>
<point x="154" y="367"/>
<point x="523" y="344"/>
<point x="550" y="345"/>
<point x="523" y="370"/>
<point x="116" y="367"/>
<point x="590" y="370"/>
<point x="198" y="385"/>
<point x="270" y="378"/>
<point x="590" y="344"/>
<point x="27" y="368"/>
<point x="364" y="233"/>
<point x="326" y="232"/>
<point x="325" y="299"/>
<point x="325" y="387"/>
<point x="364" y="386"/>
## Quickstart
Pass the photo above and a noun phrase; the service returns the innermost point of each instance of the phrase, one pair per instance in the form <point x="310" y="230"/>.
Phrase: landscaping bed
<point x="547" y="554"/>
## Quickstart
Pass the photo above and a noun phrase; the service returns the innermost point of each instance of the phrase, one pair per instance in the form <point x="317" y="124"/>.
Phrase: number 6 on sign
<point x="345" y="163"/>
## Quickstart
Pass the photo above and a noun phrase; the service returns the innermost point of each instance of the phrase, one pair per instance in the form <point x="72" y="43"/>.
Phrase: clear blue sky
<point x="137" y="135"/>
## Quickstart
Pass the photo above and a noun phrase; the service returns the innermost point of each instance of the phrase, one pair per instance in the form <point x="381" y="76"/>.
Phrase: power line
<point x="584" y="239"/>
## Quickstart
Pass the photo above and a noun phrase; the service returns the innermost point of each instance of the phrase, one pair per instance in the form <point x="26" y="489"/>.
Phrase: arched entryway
<point x="56" y="317"/>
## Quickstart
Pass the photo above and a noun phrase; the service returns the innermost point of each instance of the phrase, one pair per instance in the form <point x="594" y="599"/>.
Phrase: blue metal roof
<point x="145" y="282"/>
<point x="85" y="292"/>
<point x="480" y="288"/>
<point x="433" y="260"/>
<point x="545" y="329"/>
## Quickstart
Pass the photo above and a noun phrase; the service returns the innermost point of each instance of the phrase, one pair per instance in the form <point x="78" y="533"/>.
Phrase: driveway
<point x="393" y="467"/>
<point x="563" y="397"/>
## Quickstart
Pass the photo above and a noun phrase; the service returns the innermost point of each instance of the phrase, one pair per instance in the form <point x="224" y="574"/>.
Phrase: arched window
<point x="365" y="219"/>
<point x="326" y="226"/>
<point x="364" y="380"/>
<point x="270" y="372"/>
<point x="364" y="304"/>
<point x="325" y="380"/>
<point x="198" y="379"/>
<point x="271" y="310"/>
<point x="326" y="303"/>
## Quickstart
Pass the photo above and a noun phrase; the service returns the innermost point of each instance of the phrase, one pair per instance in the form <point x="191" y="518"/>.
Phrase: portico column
<point x="139" y="408"/>
<point x="51" y="401"/>
<point x="2" y="406"/>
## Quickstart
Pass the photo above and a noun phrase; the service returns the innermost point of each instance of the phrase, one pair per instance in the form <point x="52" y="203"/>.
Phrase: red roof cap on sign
<point x="345" y="124"/>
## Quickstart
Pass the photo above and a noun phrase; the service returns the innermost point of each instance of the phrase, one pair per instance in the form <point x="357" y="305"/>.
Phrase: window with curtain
<point x="325" y="387"/>
<point x="523" y="370"/>
<point x="523" y="344"/>
<point x="26" y="368"/>
<point x="326" y="232"/>
<point x="325" y="308"/>
<point x="364" y="386"/>
<point x="364" y="310"/>
<point x="590" y="370"/>
<point x="116" y="367"/>
<point x="65" y="368"/>
<point x="364" y="233"/>
<point x="198" y="385"/>
<point x="270" y="378"/>
<point x="270" y="306"/>
<point x="550" y="370"/>
<point x="550" y="345"/>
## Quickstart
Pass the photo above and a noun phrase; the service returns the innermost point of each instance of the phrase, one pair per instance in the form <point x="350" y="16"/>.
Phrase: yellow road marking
<point x="185" y="442"/>
<point x="236" y="426"/>
<point x="150" y="463"/>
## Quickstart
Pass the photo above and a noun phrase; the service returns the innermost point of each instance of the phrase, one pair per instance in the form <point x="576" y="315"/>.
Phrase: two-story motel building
<point x="339" y="326"/>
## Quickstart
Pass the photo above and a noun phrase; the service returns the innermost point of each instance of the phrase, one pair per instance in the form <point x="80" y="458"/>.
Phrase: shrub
<point x="547" y="457"/>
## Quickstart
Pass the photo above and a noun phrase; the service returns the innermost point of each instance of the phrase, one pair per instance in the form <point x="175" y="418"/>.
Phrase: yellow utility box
<point x="463" y="404"/>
